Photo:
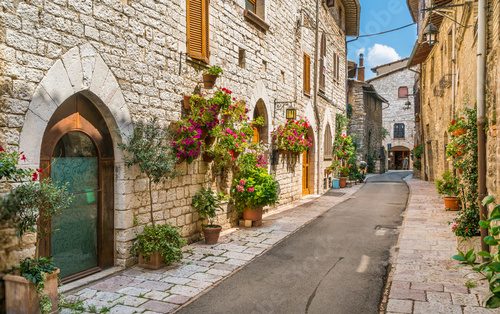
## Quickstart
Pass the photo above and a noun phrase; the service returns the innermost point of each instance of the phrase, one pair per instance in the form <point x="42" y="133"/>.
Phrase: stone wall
<point x="438" y="109"/>
<point x="128" y="59"/>
<point x="365" y="124"/>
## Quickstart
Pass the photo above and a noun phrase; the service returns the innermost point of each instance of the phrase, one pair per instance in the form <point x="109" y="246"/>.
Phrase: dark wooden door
<point x="77" y="151"/>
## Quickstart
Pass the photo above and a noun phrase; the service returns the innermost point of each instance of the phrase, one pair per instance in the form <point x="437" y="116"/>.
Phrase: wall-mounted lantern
<point x="430" y="34"/>
<point x="291" y="113"/>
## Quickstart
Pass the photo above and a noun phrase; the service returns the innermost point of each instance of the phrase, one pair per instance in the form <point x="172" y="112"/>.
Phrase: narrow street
<point x="336" y="264"/>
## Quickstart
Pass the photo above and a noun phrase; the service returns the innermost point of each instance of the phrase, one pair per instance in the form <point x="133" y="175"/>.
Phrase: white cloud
<point x="360" y="51"/>
<point x="381" y="54"/>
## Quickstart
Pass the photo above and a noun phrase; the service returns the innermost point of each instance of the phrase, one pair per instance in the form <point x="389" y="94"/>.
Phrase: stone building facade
<point x="365" y="108"/>
<point x="448" y="81"/>
<point x="394" y="82"/>
<point x="117" y="62"/>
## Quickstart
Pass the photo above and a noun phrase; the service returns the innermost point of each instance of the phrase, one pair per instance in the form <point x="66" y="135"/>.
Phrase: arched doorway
<point x="308" y="167"/>
<point x="260" y="133"/>
<point x="398" y="156"/>
<point x="77" y="150"/>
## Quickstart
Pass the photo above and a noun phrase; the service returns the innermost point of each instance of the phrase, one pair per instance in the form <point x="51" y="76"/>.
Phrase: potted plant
<point x="448" y="187"/>
<point x="158" y="245"/>
<point x="253" y="188"/>
<point x="31" y="287"/>
<point x="210" y="75"/>
<point x="292" y="137"/>
<point x="207" y="202"/>
<point x="149" y="148"/>
<point x="344" y="175"/>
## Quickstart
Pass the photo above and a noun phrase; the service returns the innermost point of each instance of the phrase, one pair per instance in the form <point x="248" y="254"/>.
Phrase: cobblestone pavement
<point x="137" y="290"/>
<point x="426" y="279"/>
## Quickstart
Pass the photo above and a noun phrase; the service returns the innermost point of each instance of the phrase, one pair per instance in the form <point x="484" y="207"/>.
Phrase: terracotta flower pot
<point x="21" y="296"/>
<point x="252" y="214"/>
<point x="155" y="261"/>
<point x="459" y="132"/>
<point x="343" y="182"/>
<point x="186" y="102"/>
<point x="211" y="234"/>
<point x="209" y="80"/>
<point x="451" y="203"/>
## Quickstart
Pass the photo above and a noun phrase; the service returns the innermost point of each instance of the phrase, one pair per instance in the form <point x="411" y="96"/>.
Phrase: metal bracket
<point x="279" y="105"/>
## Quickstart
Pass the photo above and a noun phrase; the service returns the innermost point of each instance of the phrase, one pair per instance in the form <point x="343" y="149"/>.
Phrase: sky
<point x="378" y="16"/>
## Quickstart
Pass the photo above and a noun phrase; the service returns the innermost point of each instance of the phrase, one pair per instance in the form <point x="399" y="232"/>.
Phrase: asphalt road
<point x="336" y="264"/>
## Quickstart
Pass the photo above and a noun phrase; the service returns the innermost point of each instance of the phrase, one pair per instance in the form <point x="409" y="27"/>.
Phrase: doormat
<point x="336" y="194"/>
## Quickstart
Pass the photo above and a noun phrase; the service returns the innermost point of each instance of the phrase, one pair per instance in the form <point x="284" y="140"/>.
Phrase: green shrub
<point x="448" y="185"/>
<point x="490" y="268"/>
<point x="163" y="239"/>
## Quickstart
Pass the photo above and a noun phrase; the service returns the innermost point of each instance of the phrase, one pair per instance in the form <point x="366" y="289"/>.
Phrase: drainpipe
<point x="315" y="98"/>
<point x="481" y="109"/>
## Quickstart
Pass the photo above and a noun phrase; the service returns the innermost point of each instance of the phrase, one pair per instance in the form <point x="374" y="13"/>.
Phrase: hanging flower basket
<point x="292" y="136"/>
<point x="209" y="80"/>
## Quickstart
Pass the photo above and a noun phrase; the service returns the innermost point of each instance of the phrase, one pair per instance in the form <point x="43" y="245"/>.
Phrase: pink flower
<point x="242" y="182"/>
<point x="23" y="157"/>
<point x="251" y="189"/>
<point x="239" y="188"/>
<point x="34" y="176"/>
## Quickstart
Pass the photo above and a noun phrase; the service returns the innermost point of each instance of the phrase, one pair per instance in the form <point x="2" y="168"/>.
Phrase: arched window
<point x="399" y="130"/>
<point x="403" y="92"/>
<point x="260" y="132"/>
<point x="322" y="64"/>
<point x="328" y="142"/>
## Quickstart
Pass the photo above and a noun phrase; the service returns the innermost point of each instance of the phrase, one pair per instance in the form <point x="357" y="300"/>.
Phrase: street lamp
<point x="430" y="33"/>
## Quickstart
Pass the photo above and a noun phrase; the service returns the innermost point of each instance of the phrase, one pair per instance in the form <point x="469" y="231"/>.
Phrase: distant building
<point x="365" y="112"/>
<point x="394" y="82"/>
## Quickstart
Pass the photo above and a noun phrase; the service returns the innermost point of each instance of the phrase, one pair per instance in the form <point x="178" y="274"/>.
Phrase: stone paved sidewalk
<point x="425" y="278"/>
<point x="137" y="290"/>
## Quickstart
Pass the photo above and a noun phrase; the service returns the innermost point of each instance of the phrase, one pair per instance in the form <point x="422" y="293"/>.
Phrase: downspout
<point x="481" y="116"/>
<point x="315" y="98"/>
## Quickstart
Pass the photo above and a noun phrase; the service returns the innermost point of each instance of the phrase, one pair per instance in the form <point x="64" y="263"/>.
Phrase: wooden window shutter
<point x="307" y="74"/>
<point x="197" y="29"/>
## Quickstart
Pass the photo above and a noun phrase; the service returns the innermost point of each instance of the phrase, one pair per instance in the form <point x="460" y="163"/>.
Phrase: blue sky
<point x="378" y="16"/>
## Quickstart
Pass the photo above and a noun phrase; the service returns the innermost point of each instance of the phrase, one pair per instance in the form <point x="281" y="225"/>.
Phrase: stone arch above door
<point x="79" y="70"/>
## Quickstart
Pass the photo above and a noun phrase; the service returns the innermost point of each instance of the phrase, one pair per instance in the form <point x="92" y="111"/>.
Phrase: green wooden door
<point x="74" y="233"/>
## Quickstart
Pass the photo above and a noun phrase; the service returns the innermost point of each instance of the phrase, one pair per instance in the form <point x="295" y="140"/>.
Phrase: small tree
<point x="149" y="148"/>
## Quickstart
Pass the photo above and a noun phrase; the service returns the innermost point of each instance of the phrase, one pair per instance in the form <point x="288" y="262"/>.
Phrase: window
<point x="307" y="74"/>
<point x="403" y="92"/>
<point x="241" y="58"/>
<point x="336" y="67"/>
<point x="197" y="29"/>
<point x="399" y="130"/>
<point x="328" y="143"/>
<point x="256" y="7"/>
<point x="322" y="75"/>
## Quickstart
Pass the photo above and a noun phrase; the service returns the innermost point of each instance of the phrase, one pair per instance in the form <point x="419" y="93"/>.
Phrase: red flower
<point x="39" y="170"/>
<point x="1" y="149"/>
<point x="23" y="157"/>
<point x="34" y="176"/>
